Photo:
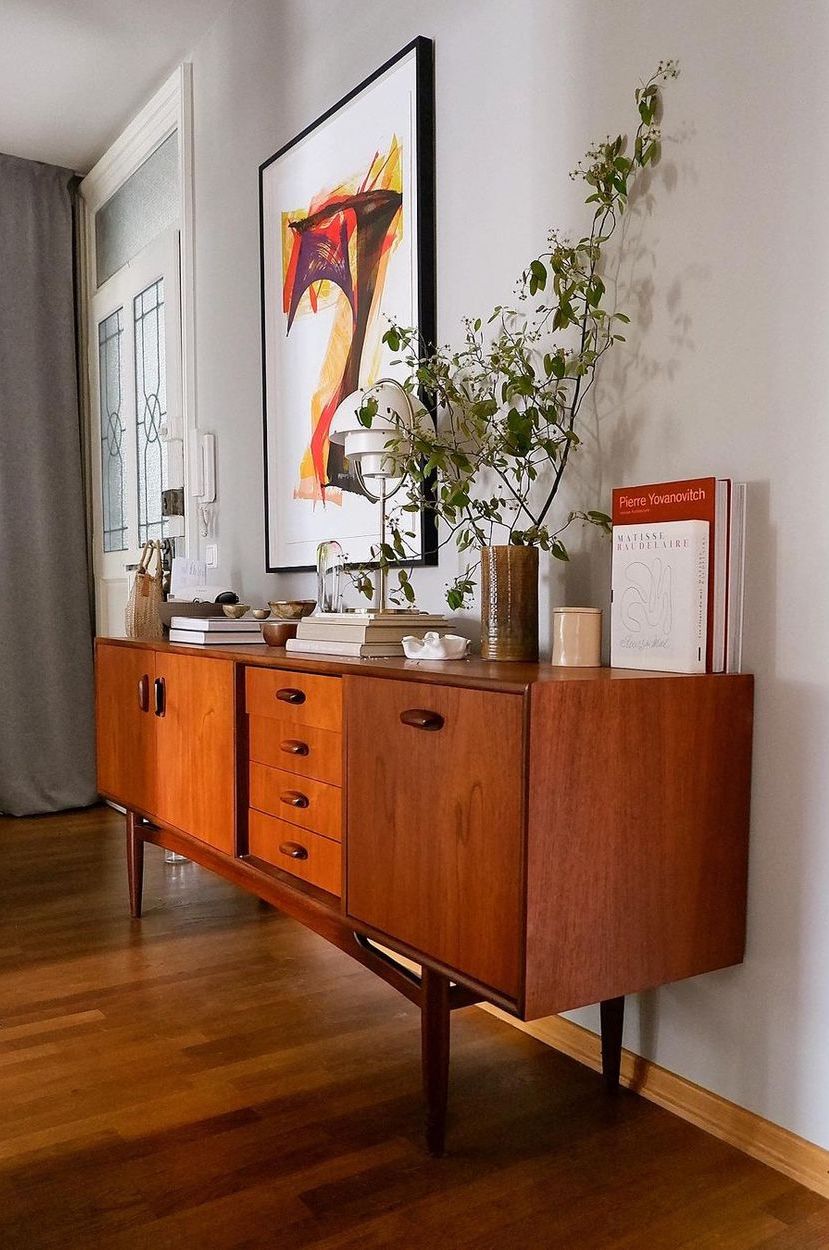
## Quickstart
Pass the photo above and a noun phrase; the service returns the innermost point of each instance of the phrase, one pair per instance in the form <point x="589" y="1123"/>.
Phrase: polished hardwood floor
<point x="216" y="1076"/>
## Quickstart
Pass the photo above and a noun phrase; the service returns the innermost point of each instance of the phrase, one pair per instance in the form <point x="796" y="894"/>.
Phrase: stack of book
<point x="677" y="576"/>
<point x="361" y="634"/>
<point x="215" y="631"/>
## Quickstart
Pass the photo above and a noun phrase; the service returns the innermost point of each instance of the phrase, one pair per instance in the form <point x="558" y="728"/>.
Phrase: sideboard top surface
<point x="494" y="675"/>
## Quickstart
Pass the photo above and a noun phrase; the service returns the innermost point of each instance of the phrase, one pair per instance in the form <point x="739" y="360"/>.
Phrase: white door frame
<point x="171" y="108"/>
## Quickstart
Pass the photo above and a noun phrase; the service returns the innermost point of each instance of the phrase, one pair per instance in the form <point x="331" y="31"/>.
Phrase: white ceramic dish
<point x="435" y="647"/>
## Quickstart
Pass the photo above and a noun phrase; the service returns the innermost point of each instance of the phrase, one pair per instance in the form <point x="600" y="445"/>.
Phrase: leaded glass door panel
<point x="136" y="400"/>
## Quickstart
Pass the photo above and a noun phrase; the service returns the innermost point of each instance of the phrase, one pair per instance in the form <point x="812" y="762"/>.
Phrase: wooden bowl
<point x="277" y="633"/>
<point x="235" y="610"/>
<point x="293" y="609"/>
<point x="261" y="614"/>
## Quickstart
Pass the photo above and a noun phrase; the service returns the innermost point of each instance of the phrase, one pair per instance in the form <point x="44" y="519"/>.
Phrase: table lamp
<point x="367" y="447"/>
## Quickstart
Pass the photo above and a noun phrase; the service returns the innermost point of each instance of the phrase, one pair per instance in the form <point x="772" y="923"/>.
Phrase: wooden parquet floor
<point x="215" y="1076"/>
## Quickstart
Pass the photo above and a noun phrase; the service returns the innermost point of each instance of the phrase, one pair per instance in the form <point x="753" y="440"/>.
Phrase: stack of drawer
<point x="295" y="819"/>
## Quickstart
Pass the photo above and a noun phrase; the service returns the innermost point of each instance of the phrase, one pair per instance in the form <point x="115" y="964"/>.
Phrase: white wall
<point x="725" y="273"/>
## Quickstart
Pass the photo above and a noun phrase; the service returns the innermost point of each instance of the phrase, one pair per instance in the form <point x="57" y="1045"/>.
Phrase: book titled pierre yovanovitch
<point x="659" y="607"/>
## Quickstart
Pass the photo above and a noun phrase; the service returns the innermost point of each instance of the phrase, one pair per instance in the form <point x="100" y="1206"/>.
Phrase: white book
<point x="736" y="579"/>
<point x="659" y="596"/>
<point x="218" y="624"/>
<point x="197" y="638"/>
<point x="310" y="628"/>
<point x="359" y="650"/>
<point x="371" y="616"/>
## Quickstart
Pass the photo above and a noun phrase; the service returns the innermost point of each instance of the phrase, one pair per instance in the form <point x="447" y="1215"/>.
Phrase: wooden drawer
<point x="299" y="749"/>
<point x="304" y="854"/>
<point x="301" y="801"/>
<point x="435" y="784"/>
<point x="301" y="698"/>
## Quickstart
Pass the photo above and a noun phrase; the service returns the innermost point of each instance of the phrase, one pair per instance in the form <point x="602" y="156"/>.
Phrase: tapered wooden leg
<point x="613" y="1018"/>
<point x="135" y="864"/>
<point x="434" y="1031"/>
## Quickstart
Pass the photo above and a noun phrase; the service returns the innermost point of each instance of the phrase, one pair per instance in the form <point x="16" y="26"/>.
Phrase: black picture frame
<point x="424" y="193"/>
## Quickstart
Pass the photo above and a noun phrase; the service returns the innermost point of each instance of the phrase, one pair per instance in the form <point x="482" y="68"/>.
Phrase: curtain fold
<point x="46" y="687"/>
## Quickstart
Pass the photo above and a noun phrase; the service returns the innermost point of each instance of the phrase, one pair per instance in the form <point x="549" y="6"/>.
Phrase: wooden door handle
<point x="294" y="798"/>
<point x="288" y="695"/>
<point x="291" y="746"/>
<point x="419" y="718"/>
<point x="294" y="849"/>
<point x="144" y="693"/>
<point x="160" y="689"/>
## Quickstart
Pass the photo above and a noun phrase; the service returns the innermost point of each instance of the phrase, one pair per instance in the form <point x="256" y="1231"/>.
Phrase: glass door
<point x="136" y="404"/>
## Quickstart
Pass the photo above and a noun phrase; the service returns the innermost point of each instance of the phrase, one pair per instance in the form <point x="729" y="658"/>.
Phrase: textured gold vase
<point x="509" y="603"/>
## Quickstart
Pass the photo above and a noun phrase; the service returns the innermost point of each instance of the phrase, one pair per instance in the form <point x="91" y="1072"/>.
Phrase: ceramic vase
<point x="509" y="603"/>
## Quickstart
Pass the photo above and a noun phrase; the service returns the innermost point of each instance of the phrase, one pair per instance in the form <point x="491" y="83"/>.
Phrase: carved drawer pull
<point x="160" y="689"/>
<point x="288" y="695"/>
<point x="292" y="747"/>
<point x="293" y="849"/>
<point x="144" y="693"/>
<point x="418" y="718"/>
<point x="294" y="798"/>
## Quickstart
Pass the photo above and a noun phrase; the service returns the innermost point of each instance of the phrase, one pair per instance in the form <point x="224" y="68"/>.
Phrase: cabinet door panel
<point x="125" y="725"/>
<point x="196" y="748"/>
<point x="435" y="822"/>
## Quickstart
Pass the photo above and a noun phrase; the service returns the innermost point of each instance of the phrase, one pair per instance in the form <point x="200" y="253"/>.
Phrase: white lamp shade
<point x="396" y="411"/>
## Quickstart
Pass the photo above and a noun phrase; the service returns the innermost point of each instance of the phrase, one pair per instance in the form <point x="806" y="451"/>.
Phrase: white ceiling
<point x="74" y="72"/>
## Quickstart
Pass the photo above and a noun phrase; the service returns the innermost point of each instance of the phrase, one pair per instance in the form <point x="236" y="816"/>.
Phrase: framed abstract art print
<point x="347" y="244"/>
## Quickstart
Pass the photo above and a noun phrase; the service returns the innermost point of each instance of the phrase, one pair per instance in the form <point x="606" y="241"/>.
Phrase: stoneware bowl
<point x="277" y="633"/>
<point x="293" y="609"/>
<point x="235" y="610"/>
<point x="261" y="614"/>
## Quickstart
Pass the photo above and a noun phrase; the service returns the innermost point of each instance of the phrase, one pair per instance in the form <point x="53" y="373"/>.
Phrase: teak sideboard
<point x="533" y="837"/>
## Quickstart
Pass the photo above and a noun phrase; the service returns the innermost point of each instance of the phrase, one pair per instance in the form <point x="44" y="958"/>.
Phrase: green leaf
<point x="559" y="550"/>
<point x="367" y="412"/>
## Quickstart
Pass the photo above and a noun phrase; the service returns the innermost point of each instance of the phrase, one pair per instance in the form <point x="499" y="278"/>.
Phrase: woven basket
<point x="143" y="614"/>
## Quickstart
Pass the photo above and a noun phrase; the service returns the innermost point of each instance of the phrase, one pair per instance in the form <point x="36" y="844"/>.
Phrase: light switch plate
<point x="211" y="555"/>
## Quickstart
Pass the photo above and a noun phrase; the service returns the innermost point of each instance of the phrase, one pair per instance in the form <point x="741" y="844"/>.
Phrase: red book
<point x="698" y="499"/>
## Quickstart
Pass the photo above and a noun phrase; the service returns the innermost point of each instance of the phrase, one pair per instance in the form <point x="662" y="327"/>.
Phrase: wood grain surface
<point x="301" y="749"/>
<point x="218" y="1076"/>
<point x="271" y="839"/>
<point x="125" y="728"/>
<point x="196" y="749"/>
<point x="637" y="837"/>
<point x="303" y="801"/>
<point x="435" y="823"/>
<point x="302" y="698"/>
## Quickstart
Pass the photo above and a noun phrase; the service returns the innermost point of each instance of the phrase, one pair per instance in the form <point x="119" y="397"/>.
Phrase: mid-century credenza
<point x="533" y="837"/>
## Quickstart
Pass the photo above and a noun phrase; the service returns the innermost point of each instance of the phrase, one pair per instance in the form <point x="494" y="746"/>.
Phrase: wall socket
<point x="211" y="555"/>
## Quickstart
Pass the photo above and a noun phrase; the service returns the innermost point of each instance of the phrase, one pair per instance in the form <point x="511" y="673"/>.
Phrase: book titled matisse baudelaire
<point x="659" y="598"/>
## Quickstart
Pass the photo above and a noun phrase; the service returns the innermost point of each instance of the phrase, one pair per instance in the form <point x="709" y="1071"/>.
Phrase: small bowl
<point x="293" y="609"/>
<point x="277" y="633"/>
<point x="235" y="610"/>
<point x="261" y="614"/>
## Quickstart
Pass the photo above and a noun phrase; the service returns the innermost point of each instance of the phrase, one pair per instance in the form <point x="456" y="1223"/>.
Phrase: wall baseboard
<point x="777" y="1147"/>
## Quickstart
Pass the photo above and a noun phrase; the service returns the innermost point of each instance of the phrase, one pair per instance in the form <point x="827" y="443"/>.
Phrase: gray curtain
<point x="47" y="758"/>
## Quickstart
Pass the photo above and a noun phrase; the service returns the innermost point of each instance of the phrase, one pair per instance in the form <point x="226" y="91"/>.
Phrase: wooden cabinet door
<point x="435" y="822"/>
<point x="125" y="725"/>
<point x="196" y="730"/>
